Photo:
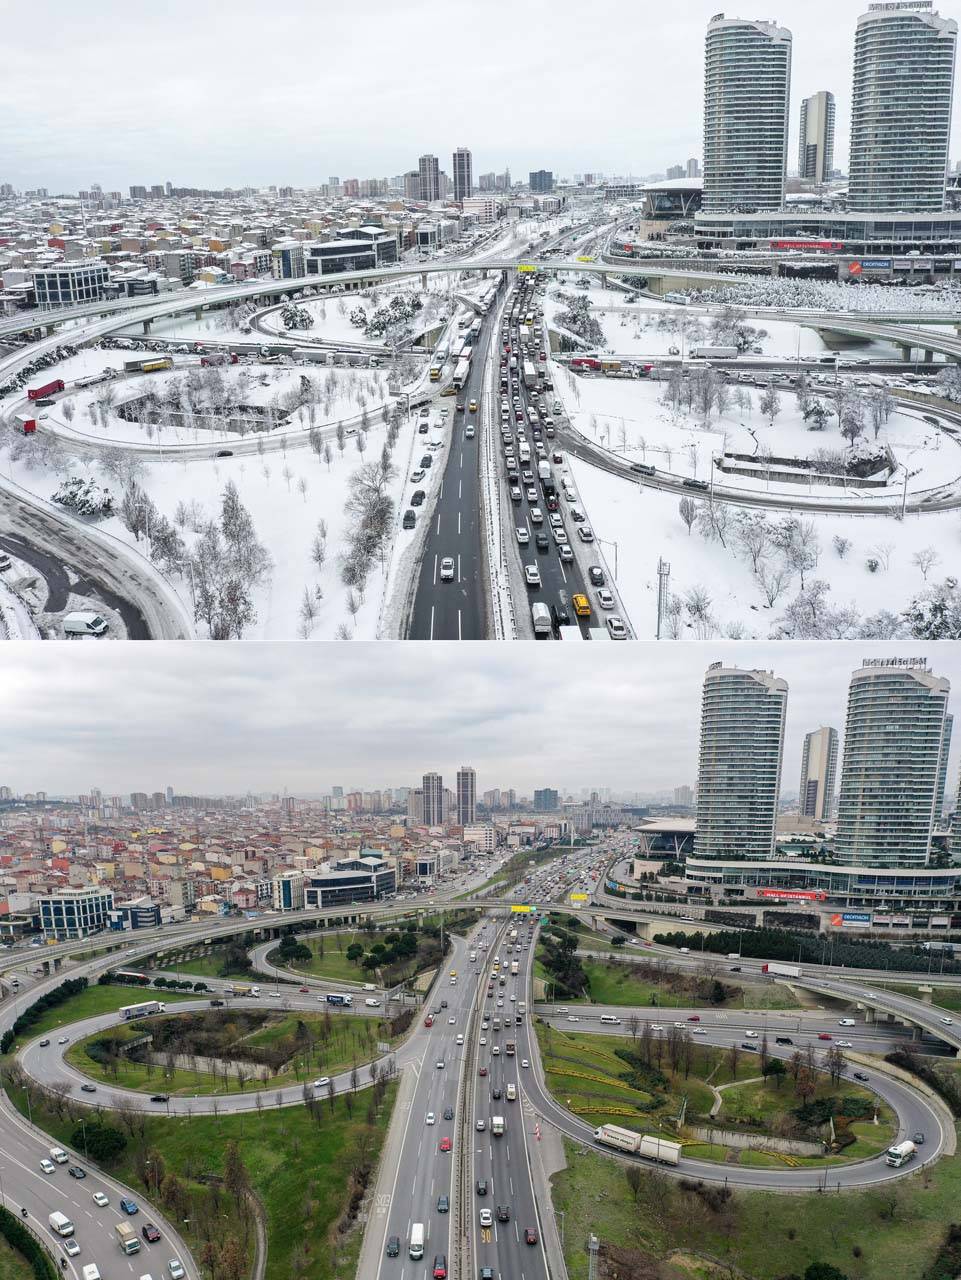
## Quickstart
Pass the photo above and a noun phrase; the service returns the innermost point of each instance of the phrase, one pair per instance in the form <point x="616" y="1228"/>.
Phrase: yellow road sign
<point x="525" y="268"/>
<point x="578" y="897"/>
<point x="585" y="257"/>
<point x="521" y="909"/>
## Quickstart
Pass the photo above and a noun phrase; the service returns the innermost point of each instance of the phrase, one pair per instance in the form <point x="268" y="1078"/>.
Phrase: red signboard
<point x="821" y="245"/>
<point x="854" y="268"/>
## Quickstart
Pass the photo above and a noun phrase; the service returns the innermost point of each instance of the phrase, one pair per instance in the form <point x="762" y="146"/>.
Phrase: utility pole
<point x="593" y="1245"/>
<point x="663" y="580"/>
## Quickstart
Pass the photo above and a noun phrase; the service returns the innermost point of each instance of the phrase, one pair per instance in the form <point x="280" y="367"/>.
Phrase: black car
<point x="417" y="498"/>
<point x="496" y="1093"/>
<point x="448" y="1113"/>
<point x="783" y="1040"/>
<point x="735" y="968"/>
<point x="410" y="518"/>
<point x="393" y="1246"/>
<point x="596" y="575"/>
<point x="160" y="1097"/>
<point x="749" y="1048"/>
<point x="541" y="541"/>
<point x="916" y="1138"/>
<point x="443" y="1204"/>
<point x="559" y="616"/>
<point x="76" y="1172"/>
<point x="88" y="1088"/>
<point x="860" y="1075"/>
<point x="45" y="403"/>
<point x="224" y="453"/>
<point x="443" y="1004"/>
<point x="423" y="428"/>
<point x="426" y="461"/>
<point x="503" y="1213"/>
<point x="482" y="1186"/>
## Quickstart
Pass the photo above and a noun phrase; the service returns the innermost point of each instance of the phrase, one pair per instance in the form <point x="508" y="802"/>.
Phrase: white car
<point x="948" y="1022"/>
<point x="524" y="1062"/>
<point x="751" y="1035"/>
<point x="571" y="1018"/>
<point x="698" y="1031"/>
<point x="451" y="1021"/>
<point x="844" y="1044"/>
<point x="523" y="537"/>
<point x="483" y="1039"/>
<point x="605" y="598"/>
<point x="532" y="575"/>
<point x="481" y="1126"/>
<point x="176" y="1269"/>
<point x="70" y="1248"/>
<point x="100" y="1199"/>
<point x="846" y="1022"/>
<point x="447" y="569"/>
<point x="430" y="1118"/>
<point x="486" y="1218"/>
<point x="47" y="1166"/>
<point x="322" y="1083"/>
<point x="656" y="1026"/>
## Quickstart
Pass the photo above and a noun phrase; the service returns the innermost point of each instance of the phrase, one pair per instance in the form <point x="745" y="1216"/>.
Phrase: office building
<point x="893" y="746"/>
<point x="541" y="181"/>
<point x="466" y="796"/>
<point x="819" y="764"/>
<point x="287" y="260"/>
<point x="901" y="100"/>
<point x="816" y="138"/>
<point x="428" y="178"/>
<point x="463" y="178"/>
<point x="433" y="788"/>
<point x="739" y="763"/>
<point x="74" y="913"/>
<point x="362" y="879"/>
<point x="287" y="891"/>
<point x="545" y="800"/>
<point x="693" y="168"/>
<point x="747" y="90"/>
<point x="68" y="284"/>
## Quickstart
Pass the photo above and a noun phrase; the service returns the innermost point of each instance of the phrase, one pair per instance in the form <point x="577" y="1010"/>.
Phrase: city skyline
<point x="126" y="720"/>
<point x="186" y="138"/>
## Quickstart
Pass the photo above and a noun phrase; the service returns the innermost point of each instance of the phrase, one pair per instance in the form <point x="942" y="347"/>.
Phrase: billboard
<point x="876" y="264"/>
<point x="578" y="897"/>
<point x="521" y="909"/>
<point x="852" y="920"/>
<point x="794" y="895"/>
<point x="524" y="268"/>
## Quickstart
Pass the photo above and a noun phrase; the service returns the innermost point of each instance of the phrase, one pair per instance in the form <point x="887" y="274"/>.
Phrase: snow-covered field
<point x="628" y="417"/>
<point x="828" y="295"/>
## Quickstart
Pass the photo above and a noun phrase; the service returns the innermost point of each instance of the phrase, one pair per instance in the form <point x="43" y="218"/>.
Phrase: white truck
<point x="662" y="1150"/>
<point x="416" y="1246"/>
<point x="83" y="624"/>
<point x="900" y="1154"/>
<point x="782" y="970"/>
<point x="497" y="1126"/>
<point x="512" y="1093"/>
<point x="714" y="353"/>
<point x="543" y="470"/>
<point x="127" y="1238"/>
<point x="60" y="1223"/>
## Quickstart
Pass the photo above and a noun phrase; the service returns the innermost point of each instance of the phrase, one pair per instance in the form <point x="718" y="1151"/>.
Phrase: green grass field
<point x="351" y="1039"/>
<point x="946" y="997"/>
<point x="300" y="1167"/>
<point x="897" y="1232"/>
<point x="13" y="1265"/>
<point x="96" y="999"/>
<point x="615" y="984"/>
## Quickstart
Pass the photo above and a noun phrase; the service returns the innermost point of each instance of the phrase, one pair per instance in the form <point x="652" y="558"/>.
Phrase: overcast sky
<point x="207" y="95"/>
<point x="219" y="719"/>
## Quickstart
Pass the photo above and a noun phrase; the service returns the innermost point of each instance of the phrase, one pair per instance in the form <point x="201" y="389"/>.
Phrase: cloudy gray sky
<point x="228" y="718"/>
<point x="208" y="95"/>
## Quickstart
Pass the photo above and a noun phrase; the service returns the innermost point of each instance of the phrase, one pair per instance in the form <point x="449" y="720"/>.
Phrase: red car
<point x="428" y="1021"/>
<point x="483" y="1071"/>
<point x="150" y="1233"/>
<point x="530" y="1235"/>
<point x="695" y="1017"/>
<point x="445" y="1144"/>
<point x="825" y="1035"/>
<point x="304" y="990"/>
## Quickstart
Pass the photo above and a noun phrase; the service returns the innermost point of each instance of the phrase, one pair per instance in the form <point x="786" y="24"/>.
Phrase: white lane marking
<point x="432" y="622"/>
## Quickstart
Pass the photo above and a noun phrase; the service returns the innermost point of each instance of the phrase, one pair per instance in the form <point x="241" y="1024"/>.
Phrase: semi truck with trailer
<point x="26" y="423"/>
<point x="461" y="373"/>
<point x="900" y="1154"/>
<point x="661" y="1150"/>
<point x="781" y="970"/>
<point x="48" y="389"/>
<point x="530" y="375"/>
<point x="142" y="1010"/>
<point x="714" y="353"/>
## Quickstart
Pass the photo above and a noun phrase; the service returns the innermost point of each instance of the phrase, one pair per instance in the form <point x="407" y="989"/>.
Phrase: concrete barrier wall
<point x="755" y="1141"/>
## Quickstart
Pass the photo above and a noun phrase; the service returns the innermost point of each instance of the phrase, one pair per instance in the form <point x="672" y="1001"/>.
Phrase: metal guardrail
<point x="502" y="600"/>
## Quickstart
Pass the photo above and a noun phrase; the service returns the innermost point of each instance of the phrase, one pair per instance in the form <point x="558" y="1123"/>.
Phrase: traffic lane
<point x="53" y="570"/>
<point x="26" y="1186"/>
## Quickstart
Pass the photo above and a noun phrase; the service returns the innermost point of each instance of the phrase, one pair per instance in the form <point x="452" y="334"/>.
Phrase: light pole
<point x="904" y="492"/>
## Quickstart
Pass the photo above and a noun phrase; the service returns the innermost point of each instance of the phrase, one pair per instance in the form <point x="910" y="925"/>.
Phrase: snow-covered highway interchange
<point x="627" y="453"/>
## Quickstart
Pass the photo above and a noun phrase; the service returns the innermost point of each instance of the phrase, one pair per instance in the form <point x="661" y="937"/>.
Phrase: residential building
<point x="541" y="180"/>
<point x="545" y="800"/>
<point x="816" y="138"/>
<point x="747" y="89"/>
<point x="739" y="763"/>
<point x="483" y="208"/>
<point x="287" y="891"/>
<point x="428" y="176"/>
<point x="943" y="768"/>
<point x="288" y="260"/>
<point x="463" y="178"/>
<point x="894" y="741"/>
<point x="819" y="763"/>
<point x="466" y="796"/>
<point x="433" y="789"/>
<point x="901" y="100"/>
<point x="482" y="835"/>
<point x="684" y="797"/>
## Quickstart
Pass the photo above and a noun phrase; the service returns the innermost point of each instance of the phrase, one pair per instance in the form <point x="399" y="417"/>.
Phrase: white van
<point x="541" y="619"/>
<point x="512" y="1093"/>
<point x="609" y="1017"/>
<point x="60" y="1223"/>
<point x="83" y="624"/>
<point x="372" y="1004"/>
<point x="416" y="1248"/>
<point x="58" y="1154"/>
<point x="369" y="986"/>
<point x="91" y="1272"/>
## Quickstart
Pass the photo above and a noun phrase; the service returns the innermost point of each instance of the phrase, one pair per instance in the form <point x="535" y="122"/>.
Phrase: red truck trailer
<point x="25" y="424"/>
<point x="48" y="389"/>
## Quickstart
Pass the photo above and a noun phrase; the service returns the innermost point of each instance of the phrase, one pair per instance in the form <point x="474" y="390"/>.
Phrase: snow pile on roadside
<point x="828" y="295"/>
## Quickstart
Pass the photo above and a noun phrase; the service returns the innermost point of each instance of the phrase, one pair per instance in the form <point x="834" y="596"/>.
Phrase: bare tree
<point x="688" y="509"/>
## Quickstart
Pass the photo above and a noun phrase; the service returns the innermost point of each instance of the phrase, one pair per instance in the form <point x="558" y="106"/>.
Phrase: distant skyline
<point x="290" y="96"/>
<point x="219" y="719"/>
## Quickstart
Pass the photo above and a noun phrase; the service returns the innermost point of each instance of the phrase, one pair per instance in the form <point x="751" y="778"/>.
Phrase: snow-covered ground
<point x="828" y="295"/>
<point x="646" y="526"/>
<point x="628" y="417"/>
